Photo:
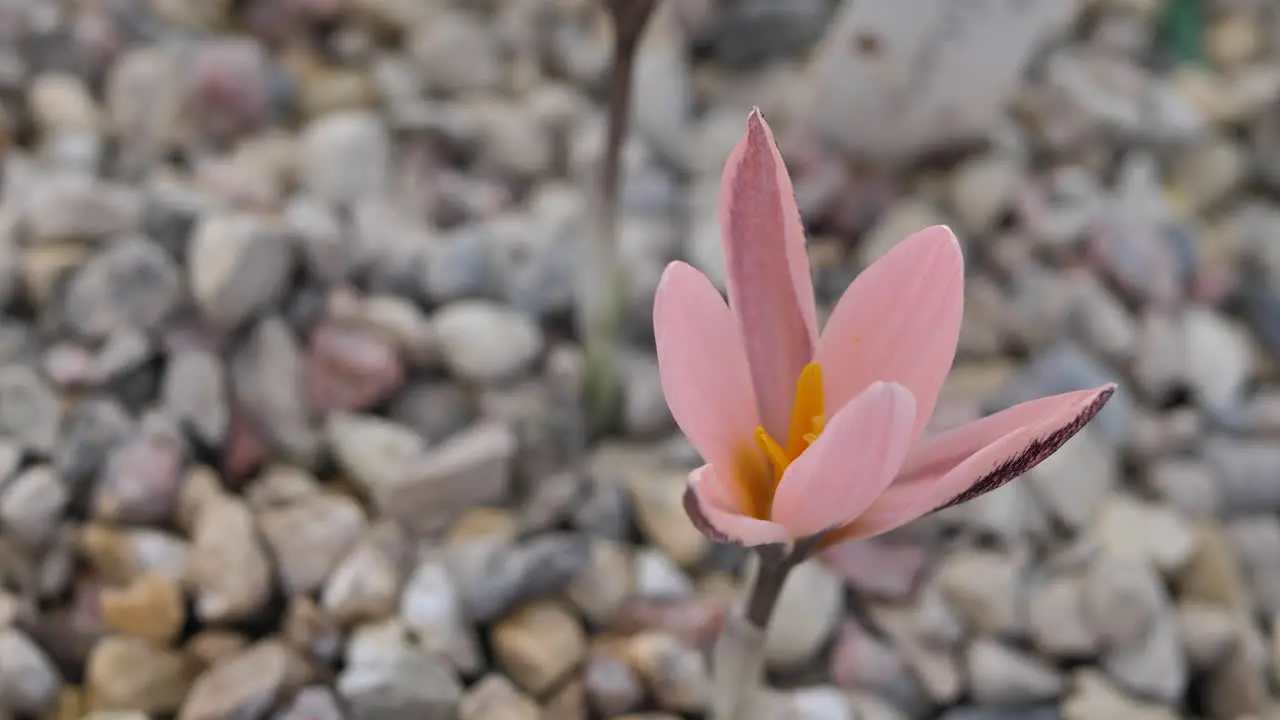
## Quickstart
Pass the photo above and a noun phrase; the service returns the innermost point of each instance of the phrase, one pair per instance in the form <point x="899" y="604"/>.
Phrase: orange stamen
<point x="807" y="422"/>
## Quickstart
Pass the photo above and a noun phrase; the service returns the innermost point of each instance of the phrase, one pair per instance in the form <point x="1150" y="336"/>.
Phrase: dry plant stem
<point x="626" y="42"/>
<point x="738" y="656"/>
<point x="602" y="285"/>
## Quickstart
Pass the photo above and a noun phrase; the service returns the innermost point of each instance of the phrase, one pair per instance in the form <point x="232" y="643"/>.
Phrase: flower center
<point x="807" y="421"/>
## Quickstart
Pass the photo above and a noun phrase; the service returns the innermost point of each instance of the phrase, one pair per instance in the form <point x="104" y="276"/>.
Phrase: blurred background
<point x="290" y="385"/>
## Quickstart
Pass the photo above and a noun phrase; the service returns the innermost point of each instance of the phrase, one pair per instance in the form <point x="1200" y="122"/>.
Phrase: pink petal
<point x="974" y="459"/>
<point x="704" y="370"/>
<point x="713" y="517"/>
<point x="770" y="289"/>
<point x="899" y="321"/>
<point x="851" y="463"/>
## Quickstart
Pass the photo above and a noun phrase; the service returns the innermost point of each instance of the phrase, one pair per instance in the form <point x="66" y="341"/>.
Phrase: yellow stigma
<point x="807" y="421"/>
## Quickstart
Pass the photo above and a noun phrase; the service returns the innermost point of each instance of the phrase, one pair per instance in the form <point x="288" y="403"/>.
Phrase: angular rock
<point x="389" y="677"/>
<point x="1186" y="484"/>
<point x="1095" y="698"/>
<point x="457" y="53"/>
<point x="29" y="683"/>
<point x="936" y="668"/>
<point x="1000" y="675"/>
<point x="485" y="342"/>
<point x="538" y="645"/>
<point x="306" y="628"/>
<point x="658" y="578"/>
<point x="152" y="607"/>
<point x="1122" y="599"/>
<point x="61" y="101"/>
<point x="428" y="491"/>
<point x="676" y="674"/>
<point x="1208" y="634"/>
<point x="244" y="685"/>
<point x="29" y="411"/>
<point x="613" y="688"/>
<point x="124" y="555"/>
<point x="142" y="477"/>
<point x="230" y="573"/>
<point x="987" y="588"/>
<point x="311" y="703"/>
<point x="1056" y="619"/>
<point x="195" y="393"/>
<point x="89" y="431"/>
<point x="374" y="451"/>
<point x="659" y="504"/>
<point x="872" y="105"/>
<point x="365" y="584"/>
<point x="238" y="265"/>
<point x="131" y="284"/>
<point x="604" y="584"/>
<point x="432" y="605"/>
<point x="350" y="369"/>
<point x="807" y="613"/>
<point x="31" y="504"/>
<point x="694" y="620"/>
<point x="435" y="410"/>
<point x="1237" y="685"/>
<point x="1219" y="358"/>
<point x="346" y="156"/>
<point x="309" y="537"/>
<point x="1256" y="540"/>
<point x="280" y="486"/>
<point x="817" y="702"/>
<point x="860" y="660"/>
<point x="126" y="673"/>
<point x="267" y="382"/>
<point x="1214" y="574"/>
<point x="1155" y="533"/>
<point x="495" y="698"/>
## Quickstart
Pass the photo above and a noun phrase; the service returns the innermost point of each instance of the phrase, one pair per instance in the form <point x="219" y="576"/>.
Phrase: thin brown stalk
<point x="602" y="284"/>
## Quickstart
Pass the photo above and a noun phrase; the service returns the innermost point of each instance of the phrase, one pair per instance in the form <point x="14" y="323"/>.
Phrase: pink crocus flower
<point x="807" y="433"/>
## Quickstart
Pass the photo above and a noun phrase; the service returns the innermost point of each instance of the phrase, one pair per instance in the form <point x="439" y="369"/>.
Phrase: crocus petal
<point x="850" y="464"/>
<point x="704" y="375"/>
<point x="770" y="288"/>
<point x="961" y="464"/>
<point x="714" y="518"/>
<point x="898" y="321"/>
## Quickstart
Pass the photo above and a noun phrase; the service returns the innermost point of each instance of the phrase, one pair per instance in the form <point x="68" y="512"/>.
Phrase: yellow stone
<point x="152" y="607"/>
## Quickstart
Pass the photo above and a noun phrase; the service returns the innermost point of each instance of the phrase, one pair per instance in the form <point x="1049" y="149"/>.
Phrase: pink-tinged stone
<point x="1214" y="285"/>
<point x="245" y="450"/>
<point x="97" y="33"/>
<point x="71" y="632"/>
<point x="861" y="661"/>
<point x="280" y="20"/>
<point x="696" y="621"/>
<point x="878" y="568"/>
<point x="228" y="93"/>
<point x="69" y="366"/>
<point x="141" y="480"/>
<point x="350" y="368"/>
<point x="1142" y="262"/>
